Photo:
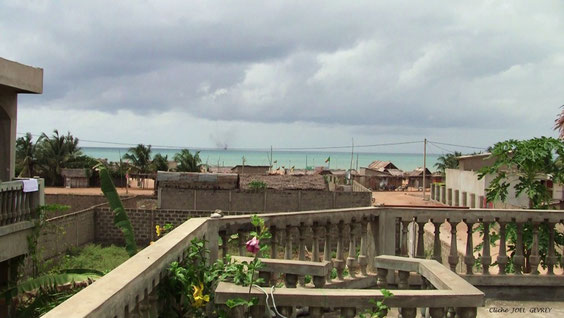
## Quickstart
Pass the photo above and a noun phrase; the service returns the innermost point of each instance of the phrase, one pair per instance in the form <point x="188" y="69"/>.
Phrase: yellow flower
<point x="159" y="230"/>
<point x="199" y="297"/>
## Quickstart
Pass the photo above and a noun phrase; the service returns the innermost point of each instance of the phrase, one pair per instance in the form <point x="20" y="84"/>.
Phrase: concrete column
<point x="432" y="192"/>
<point x="449" y="196"/>
<point x="442" y="196"/>
<point x="481" y="202"/>
<point x="456" y="197"/>
<point x="8" y="115"/>
<point x="464" y="198"/>
<point x="472" y="200"/>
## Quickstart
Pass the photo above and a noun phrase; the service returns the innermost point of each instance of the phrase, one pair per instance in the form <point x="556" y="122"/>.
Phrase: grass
<point x="92" y="256"/>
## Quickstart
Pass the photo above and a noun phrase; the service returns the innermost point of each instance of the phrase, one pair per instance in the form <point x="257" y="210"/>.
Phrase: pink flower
<point x="253" y="245"/>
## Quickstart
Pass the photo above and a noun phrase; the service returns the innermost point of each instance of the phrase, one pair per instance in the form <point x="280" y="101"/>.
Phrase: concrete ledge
<point x="13" y="239"/>
<point x="20" y="77"/>
<point x="291" y="266"/>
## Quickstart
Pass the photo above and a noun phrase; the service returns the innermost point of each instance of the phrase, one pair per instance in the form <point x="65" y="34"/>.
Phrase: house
<point x="415" y="178"/>
<point x="246" y="169"/>
<point x="381" y="175"/>
<point x="76" y="178"/>
<point x="19" y="199"/>
<point x="463" y="188"/>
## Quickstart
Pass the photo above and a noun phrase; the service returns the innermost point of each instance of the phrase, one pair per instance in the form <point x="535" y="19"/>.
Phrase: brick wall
<point x="270" y="200"/>
<point x="143" y="222"/>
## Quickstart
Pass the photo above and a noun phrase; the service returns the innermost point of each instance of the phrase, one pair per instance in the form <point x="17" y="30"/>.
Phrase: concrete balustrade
<point x="332" y="238"/>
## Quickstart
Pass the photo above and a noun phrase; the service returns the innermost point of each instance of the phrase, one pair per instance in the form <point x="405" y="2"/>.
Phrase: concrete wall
<point x="270" y="200"/>
<point x="8" y="115"/>
<point x="70" y="230"/>
<point x="81" y="202"/>
<point x="467" y="182"/>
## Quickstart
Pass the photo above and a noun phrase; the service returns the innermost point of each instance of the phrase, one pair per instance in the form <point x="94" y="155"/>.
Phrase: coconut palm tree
<point x="140" y="157"/>
<point x="26" y="155"/>
<point x="55" y="153"/>
<point x="447" y="161"/>
<point x="160" y="163"/>
<point x="187" y="162"/>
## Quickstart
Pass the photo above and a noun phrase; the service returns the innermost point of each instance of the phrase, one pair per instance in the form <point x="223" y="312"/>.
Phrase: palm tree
<point x="447" y="161"/>
<point x="56" y="152"/>
<point x="187" y="162"/>
<point x="160" y="163"/>
<point x="26" y="154"/>
<point x="140" y="157"/>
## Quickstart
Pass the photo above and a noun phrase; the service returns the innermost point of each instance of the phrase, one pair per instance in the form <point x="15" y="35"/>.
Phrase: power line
<point x="249" y="148"/>
<point x="439" y="147"/>
<point x="463" y="146"/>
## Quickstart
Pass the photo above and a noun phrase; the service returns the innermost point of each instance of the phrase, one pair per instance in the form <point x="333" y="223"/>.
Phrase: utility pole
<point x="357" y="162"/>
<point x="424" y="167"/>
<point x="352" y="154"/>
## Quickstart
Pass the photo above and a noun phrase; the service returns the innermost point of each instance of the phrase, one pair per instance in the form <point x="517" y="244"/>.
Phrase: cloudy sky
<point x="290" y="73"/>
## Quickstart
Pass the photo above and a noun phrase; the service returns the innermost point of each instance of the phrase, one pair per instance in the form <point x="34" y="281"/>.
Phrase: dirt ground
<point x="414" y="198"/>
<point x="96" y="191"/>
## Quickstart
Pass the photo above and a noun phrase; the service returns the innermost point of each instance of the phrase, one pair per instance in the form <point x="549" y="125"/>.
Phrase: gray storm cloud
<point x="400" y="63"/>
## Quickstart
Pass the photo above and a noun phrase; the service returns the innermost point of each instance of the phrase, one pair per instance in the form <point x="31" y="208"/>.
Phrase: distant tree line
<point x="47" y="156"/>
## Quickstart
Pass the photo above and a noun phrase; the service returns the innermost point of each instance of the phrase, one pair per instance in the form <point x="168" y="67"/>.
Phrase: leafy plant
<point x="380" y="308"/>
<point x="257" y="185"/>
<point x="140" y="157"/>
<point x="447" y="161"/>
<point x="529" y="163"/>
<point x="121" y="219"/>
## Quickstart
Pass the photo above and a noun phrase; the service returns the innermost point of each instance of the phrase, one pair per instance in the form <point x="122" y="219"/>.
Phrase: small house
<point x="76" y="178"/>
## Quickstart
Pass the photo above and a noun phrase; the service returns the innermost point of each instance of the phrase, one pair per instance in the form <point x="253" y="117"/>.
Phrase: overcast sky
<point x="290" y="73"/>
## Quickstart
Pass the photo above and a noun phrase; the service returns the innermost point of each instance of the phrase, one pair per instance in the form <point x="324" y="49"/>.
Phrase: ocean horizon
<point x="287" y="159"/>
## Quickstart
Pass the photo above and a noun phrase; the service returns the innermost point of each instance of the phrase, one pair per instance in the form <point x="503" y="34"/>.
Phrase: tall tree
<point x="160" y="163"/>
<point x="447" y="161"/>
<point x="56" y="152"/>
<point x="140" y="157"/>
<point x="530" y="163"/>
<point x="526" y="165"/>
<point x="187" y="162"/>
<point x="26" y="155"/>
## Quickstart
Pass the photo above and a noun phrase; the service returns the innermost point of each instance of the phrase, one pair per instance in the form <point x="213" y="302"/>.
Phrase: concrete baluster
<point x="469" y="258"/>
<point x="315" y="248"/>
<point x="327" y="246"/>
<point x="437" y="250"/>
<point x="456" y="197"/>
<point x="534" y="258"/>
<point x="551" y="258"/>
<point x="339" y="262"/>
<point x="301" y="248"/>
<point x="288" y="240"/>
<point x="437" y="312"/>
<point x="274" y="242"/>
<point x="420" y="240"/>
<point x="449" y="196"/>
<point x="403" y="279"/>
<point x="382" y="281"/>
<point x="348" y="312"/>
<point x="486" y="259"/>
<point x="472" y="200"/>
<point x="465" y="198"/>
<point x="362" y="257"/>
<point x="351" y="259"/>
<point x="519" y="259"/>
<point x="502" y="258"/>
<point x="224" y="244"/>
<point x="316" y="312"/>
<point x="241" y="242"/>
<point x="410" y="312"/>
<point x="404" y="230"/>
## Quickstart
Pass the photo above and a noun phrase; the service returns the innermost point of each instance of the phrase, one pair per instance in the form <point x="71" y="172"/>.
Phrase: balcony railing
<point x="17" y="205"/>
<point x="351" y="240"/>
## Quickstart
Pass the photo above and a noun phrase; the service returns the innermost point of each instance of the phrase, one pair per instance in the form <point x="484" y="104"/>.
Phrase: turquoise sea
<point x="297" y="159"/>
